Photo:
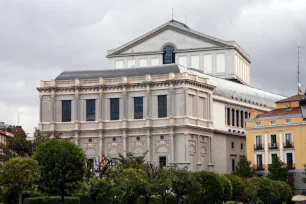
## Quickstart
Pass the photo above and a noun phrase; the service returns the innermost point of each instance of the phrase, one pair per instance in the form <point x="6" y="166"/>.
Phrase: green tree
<point x="244" y="169"/>
<point x="183" y="183"/>
<point x="238" y="187"/>
<point x="228" y="189"/>
<point x="62" y="164"/>
<point x="278" y="170"/>
<point x="282" y="192"/>
<point x="212" y="184"/>
<point x="262" y="188"/>
<point x="131" y="161"/>
<point x="19" y="174"/>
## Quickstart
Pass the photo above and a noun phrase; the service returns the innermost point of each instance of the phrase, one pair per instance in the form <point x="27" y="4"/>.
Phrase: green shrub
<point x="259" y="202"/>
<point x="231" y="202"/>
<point x="155" y="199"/>
<point x="51" y="200"/>
<point x="238" y="187"/>
<point x="228" y="189"/>
<point x="30" y="194"/>
<point x="212" y="184"/>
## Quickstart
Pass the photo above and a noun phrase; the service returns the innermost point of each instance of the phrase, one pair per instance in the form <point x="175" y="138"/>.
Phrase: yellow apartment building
<point x="281" y="133"/>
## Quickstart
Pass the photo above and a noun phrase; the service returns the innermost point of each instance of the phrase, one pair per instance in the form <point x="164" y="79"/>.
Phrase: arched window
<point x="168" y="56"/>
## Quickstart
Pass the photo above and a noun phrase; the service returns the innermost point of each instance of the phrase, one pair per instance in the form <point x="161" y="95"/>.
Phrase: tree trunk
<point x="62" y="194"/>
<point x="20" y="197"/>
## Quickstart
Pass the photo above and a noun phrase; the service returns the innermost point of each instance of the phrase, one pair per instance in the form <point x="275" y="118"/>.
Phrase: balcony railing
<point x="288" y="144"/>
<point x="273" y="146"/>
<point x="291" y="166"/>
<point x="259" y="167"/>
<point x="258" y="147"/>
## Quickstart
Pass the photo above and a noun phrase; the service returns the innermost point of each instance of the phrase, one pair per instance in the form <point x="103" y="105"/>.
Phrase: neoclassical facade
<point x="180" y="95"/>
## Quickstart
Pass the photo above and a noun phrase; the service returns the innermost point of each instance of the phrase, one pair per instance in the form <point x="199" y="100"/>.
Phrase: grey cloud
<point x="39" y="39"/>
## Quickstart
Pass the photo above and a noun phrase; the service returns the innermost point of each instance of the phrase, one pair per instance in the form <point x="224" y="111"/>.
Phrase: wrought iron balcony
<point x="273" y="146"/>
<point x="288" y="144"/>
<point x="259" y="167"/>
<point x="258" y="147"/>
<point x="291" y="166"/>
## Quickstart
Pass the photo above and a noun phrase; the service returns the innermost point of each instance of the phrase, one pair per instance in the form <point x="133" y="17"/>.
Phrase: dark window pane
<point x="233" y="165"/>
<point x="138" y="107"/>
<point x="228" y="116"/>
<point x="162" y="161"/>
<point x="233" y="145"/>
<point x="91" y="110"/>
<point x="242" y="119"/>
<point x="66" y="111"/>
<point x="168" y="56"/>
<point x="241" y="146"/>
<point x="162" y="106"/>
<point x="233" y="117"/>
<point x="114" y="108"/>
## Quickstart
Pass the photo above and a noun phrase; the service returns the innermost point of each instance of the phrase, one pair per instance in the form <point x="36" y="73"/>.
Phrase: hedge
<point x="238" y="187"/>
<point x="51" y="200"/>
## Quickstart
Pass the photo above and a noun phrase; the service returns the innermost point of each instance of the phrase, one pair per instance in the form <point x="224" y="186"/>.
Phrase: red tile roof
<point x="291" y="98"/>
<point x="281" y="112"/>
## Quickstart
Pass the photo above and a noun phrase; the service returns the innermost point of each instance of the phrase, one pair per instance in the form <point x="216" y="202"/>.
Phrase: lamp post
<point x="303" y="106"/>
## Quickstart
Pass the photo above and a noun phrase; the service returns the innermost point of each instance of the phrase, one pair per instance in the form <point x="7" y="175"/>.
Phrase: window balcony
<point x="291" y="166"/>
<point x="288" y="144"/>
<point x="258" y="147"/>
<point x="273" y="146"/>
<point x="259" y="167"/>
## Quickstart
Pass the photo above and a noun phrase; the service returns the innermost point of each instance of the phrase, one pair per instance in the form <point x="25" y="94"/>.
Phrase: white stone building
<point x="179" y="94"/>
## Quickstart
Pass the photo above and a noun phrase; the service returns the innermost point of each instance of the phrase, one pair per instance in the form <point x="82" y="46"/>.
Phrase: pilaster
<point x="281" y="154"/>
<point x="124" y="142"/>
<point x="100" y="143"/>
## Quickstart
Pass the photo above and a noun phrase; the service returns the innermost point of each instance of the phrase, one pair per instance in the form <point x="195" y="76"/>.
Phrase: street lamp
<point x="303" y="106"/>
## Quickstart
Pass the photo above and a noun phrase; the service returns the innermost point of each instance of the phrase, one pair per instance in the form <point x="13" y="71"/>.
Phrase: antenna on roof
<point x="298" y="69"/>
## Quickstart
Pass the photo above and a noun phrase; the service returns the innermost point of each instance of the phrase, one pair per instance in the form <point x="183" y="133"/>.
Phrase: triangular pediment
<point x="173" y="32"/>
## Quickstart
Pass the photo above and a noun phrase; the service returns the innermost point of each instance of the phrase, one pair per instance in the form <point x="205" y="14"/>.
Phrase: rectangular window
<point x="183" y="61"/>
<point x="258" y="140"/>
<point x="114" y="109"/>
<point x="288" y="138"/>
<point x="195" y="62"/>
<point x="241" y="119"/>
<point x="228" y="116"/>
<point x="233" y="145"/>
<point x="274" y="158"/>
<point x="237" y="118"/>
<point x="131" y="63"/>
<point x="241" y="146"/>
<point x="233" y="165"/>
<point x="259" y="161"/>
<point x="162" y="106"/>
<point x="273" y="139"/>
<point x="119" y="64"/>
<point x="66" y="111"/>
<point x="143" y="63"/>
<point x="272" y="122"/>
<point x="207" y="64"/>
<point x="154" y="61"/>
<point x="287" y="121"/>
<point x="233" y="117"/>
<point x="91" y="110"/>
<point x="289" y="159"/>
<point x="162" y="161"/>
<point x="258" y="124"/>
<point x="220" y="63"/>
<point x="138" y="107"/>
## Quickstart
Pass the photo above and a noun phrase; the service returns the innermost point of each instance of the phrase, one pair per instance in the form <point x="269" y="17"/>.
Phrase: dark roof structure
<point x="297" y="97"/>
<point x="114" y="73"/>
<point x="281" y="112"/>
<point x="224" y="88"/>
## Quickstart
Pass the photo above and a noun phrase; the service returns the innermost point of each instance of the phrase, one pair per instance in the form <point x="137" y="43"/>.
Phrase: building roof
<point x="224" y="88"/>
<point x="6" y="133"/>
<point x="297" y="97"/>
<point x="183" y="27"/>
<point x="114" y="73"/>
<point x="281" y="112"/>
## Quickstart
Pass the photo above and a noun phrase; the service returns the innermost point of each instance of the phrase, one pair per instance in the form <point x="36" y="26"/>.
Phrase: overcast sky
<point x="41" y="38"/>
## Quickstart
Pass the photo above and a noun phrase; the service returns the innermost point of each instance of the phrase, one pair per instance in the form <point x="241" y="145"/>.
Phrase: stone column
<point x="148" y="97"/>
<point x="197" y="105"/>
<point x="100" y="143"/>
<point x="186" y="95"/>
<point x="198" y="150"/>
<point x="76" y="108"/>
<point x="40" y="108"/>
<point x="148" y="134"/>
<point x="172" y="143"/>
<point x="281" y="145"/>
<point x="225" y="115"/>
<point x="124" y="142"/>
<point x="76" y="138"/>
<point x="186" y="146"/>
<point x="53" y="105"/>
<point x="171" y="90"/>
<point x="210" y="162"/>
<point x="266" y="148"/>
<point x="125" y="104"/>
<point x="211" y="107"/>
<point x="231" y="117"/>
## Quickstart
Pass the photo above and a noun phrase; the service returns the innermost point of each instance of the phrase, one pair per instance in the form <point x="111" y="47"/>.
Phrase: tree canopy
<point x="244" y="169"/>
<point x="278" y="170"/>
<point x="62" y="164"/>
<point x="19" y="174"/>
